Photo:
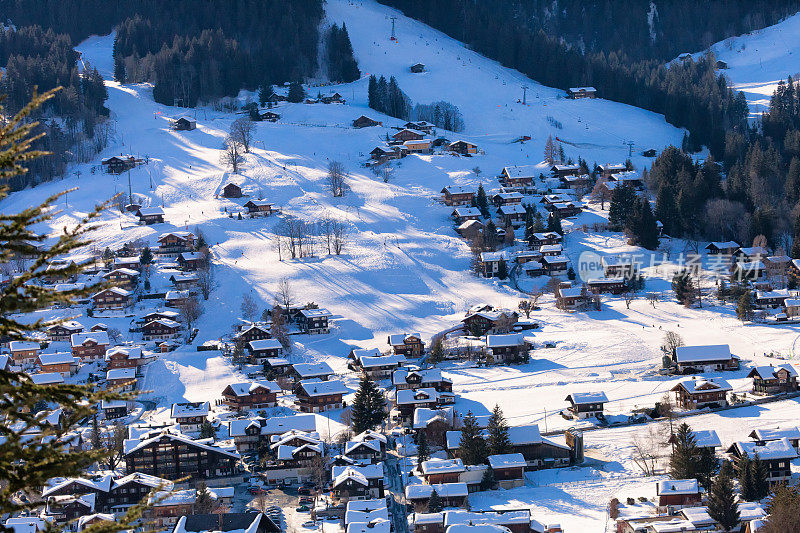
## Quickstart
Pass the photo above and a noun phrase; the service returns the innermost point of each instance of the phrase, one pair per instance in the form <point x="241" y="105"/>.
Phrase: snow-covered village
<point x="393" y="266"/>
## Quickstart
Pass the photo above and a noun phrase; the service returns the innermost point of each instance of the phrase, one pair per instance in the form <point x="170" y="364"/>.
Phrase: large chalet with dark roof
<point x="774" y="379"/>
<point x="175" y="456"/>
<point x="407" y="344"/>
<point x="251" y="395"/>
<point x="316" y="396"/>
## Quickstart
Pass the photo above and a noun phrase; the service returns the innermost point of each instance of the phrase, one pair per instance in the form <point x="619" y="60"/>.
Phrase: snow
<point x="678" y="486"/>
<point x="770" y="450"/>
<point x="404" y="269"/>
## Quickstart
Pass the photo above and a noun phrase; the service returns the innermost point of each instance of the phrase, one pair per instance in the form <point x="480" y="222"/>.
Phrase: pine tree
<point x="146" y="257"/>
<point x="423" y="453"/>
<point x="349" y="66"/>
<point x="684" y="288"/>
<point x="372" y="93"/>
<point x="25" y="464"/>
<point x="487" y="481"/>
<point x="554" y="223"/>
<point x="745" y="474"/>
<point x="96" y="436"/>
<point x="369" y="407"/>
<point x="667" y="210"/>
<point x="683" y="461"/>
<point x="481" y="202"/>
<point x="498" y="440"/>
<point x="707" y="466"/>
<point x="207" y="430"/>
<point x="550" y="152"/>
<point x="435" y="502"/>
<point x="722" y="506"/>
<point x="760" y="478"/>
<point x="538" y="223"/>
<point x="502" y="270"/>
<point x="436" y="354"/>
<point x="472" y="447"/>
<point x="265" y="94"/>
<point x="490" y="235"/>
<point x="644" y="226"/>
<point x="745" y="307"/>
<point x="296" y="92"/>
<point x="783" y="510"/>
<point x="203" y="503"/>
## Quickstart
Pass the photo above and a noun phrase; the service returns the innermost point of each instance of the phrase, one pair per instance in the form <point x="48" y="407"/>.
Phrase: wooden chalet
<point x="112" y="298"/>
<point x="113" y="409"/>
<point x="421" y="146"/>
<point x="571" y="298"/>
<point x="269" y="116"/>
<point x="504" y="348"/>
<point x="512" y="214"/>
<point x="576" y="93"/>
<point x="453" y="494"/>
<point x="587" y="404"/>
<point x="365" y="122"/>
<point x="121" y="379"/>
<point x="700" y="392"/>
<point x="483" y="321"/>
<point x="507" y="198"/>
<point x="776" y="455"/>
<point x="316" y="396"/>
<point x="420" y="125"/>
<point x="752" y="271"/>
<point x="381" y="154"/>
<point x="89" y="346"/>
<point x="189" y="261"/>
<point x="61" y="332"/>
<point x="456" y="196"/>
<point x="64" y="363"/>
<point x="416" y="68"/>
<point x="263" y="349"/>
<point x="407" y="344"/>
<point x="314" y="321"/>
<point x="725" y="248"/>
<point x="609" y="170"/>
<point x="161" y="329"/>
<point x="678" y="493"/>
<point x="124" y="357"/>
<point x="252" y="332"/>
<point x="190" y="415"/>
<point x="184" y="282"/>
<point x="774" y="379"/>
<point x="463" y="214"/>
<point x="366" y="451"/>
<point x="407" y="135"/>
<point x="150" y="215"/>
<point x="231" y="190"/>
<point x="251" y="395"/>
<point x="771" y="299"/>
<point x="357" y="482"/>
<point x="508" y="469"/>
<point x="518" y="175"/>
<point x="123" y="277"/>
<point x="462" y="147"/>
<point x="706" y="358"/>
<point x="175" y="456"/>
<point x="258" y="208"/>
<point x="184" y="124"/>
<point x="561" y="171"/>
<point x="490" y="263"/>
<point x="404" y="379"/>
<point x="176" y="242"/>
<point x="119" y="164"/>
<point x="548" y="238"/>
<point x="441" y="470"/>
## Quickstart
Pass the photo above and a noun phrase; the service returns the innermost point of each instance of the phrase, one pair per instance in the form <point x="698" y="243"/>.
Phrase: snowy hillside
<point x="757" y="61"/>
<point x="405" y="269"/>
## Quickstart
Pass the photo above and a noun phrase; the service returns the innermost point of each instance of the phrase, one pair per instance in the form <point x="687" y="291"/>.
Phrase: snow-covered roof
<point x="316" y="313"/>
<point x="371" y="435"/>
<point x="467" y="212"/>
<point x="19" y="346"/>
<point x="57" y="358"/>
<point x="582" y="89"/>
<point x="310" y="370"/>
<point x="527" y="434"/>
<point x="704" y="384"/>
<point x="442" y="466"/>
<point x="124" y="271"/>
<point x="398" y="339"/>
<point x="770" y="450"/>
<point x="317" y="387"/>
<point x="677" y="486"/>
<point x="351" y="446"/>
<point x="365" y="506"/>
<point x="509" y="209"/>
<point x="493" y="256"/>
<point x="277" y="361"/>
<point x="355" y="515"/>
<point x="769" y="371"/>
<point x="707" y="438"/>
<point x="121" y="373"/>
<point x="376" y="525"/>
<point x="471" y="517"/>
<point x="423" y="416"/>
<point x="504" y="340"/>
<point x="522" y="171"/>
<point x="150" y="211"/>
<point x="47" y="378"/>
<point x="769" y="434"/>
<point x="131" y="445"/>
<point x="186" y="409"/>
<point x="445" y="490"/>
<point x="581" y="398"/>
<point x="427" y="375"/>
<point x="477" y="528"/>
<point x="365" y="471"/>
<point x="373" y="361"/>
<point x="409" y="396"/>
<point x="455" y="189"/>
<point x="71" y="325"/>
<point x="245" y="388"/>
<point x="550" y="248"/>
<point x="78" y="339"/>
<point x="507" y="460"/>
<point x="709" y="352"/>
<point x="726" y="245"/>
<point x="275" y="425"/>
<point x="143" y="479"/>
<point x="265" y="344"/>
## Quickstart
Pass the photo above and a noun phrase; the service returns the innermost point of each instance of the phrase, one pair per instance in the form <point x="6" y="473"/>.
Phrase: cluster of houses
<point x="413" y="138"/>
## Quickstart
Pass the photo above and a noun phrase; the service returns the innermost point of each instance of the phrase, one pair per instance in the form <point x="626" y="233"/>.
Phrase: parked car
<point x="302" y="508"/>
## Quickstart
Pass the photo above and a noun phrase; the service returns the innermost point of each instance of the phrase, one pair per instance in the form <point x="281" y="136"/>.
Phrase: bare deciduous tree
<point x="652" y="297"/>
<point x="646" y="451"/>
<point x="341" y="232"/>
<point x="231" y="154"/>
<point x="629" y="295"/>
<point x="278" y="329"/>
<point x="336" y="177"/>
<point x="249" y="307"/>
<point x="526" y="306"/>
<point x="242" y="132"/>
<point x="600" y="193"/>
<point x="671" y="342"/>
<point x="284" y="294"/>
<point x="190" y="310"/>
<point x="113" y="334"/>
<point x="205" y="280"/>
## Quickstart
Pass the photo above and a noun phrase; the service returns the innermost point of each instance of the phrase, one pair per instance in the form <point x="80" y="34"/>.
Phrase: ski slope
<point x="404" y="269"/>
<point x="757" y="61"/>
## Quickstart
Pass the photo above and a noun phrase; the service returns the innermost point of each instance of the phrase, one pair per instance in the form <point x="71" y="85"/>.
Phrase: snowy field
<point x="404" y="268"/>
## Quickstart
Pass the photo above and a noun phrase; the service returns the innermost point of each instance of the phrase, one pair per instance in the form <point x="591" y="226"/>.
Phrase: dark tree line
<point x="191" y="50"/>
<point x="388" y="98"/>
<point x="34" y="58"/>
<point x="342" y="66"/>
